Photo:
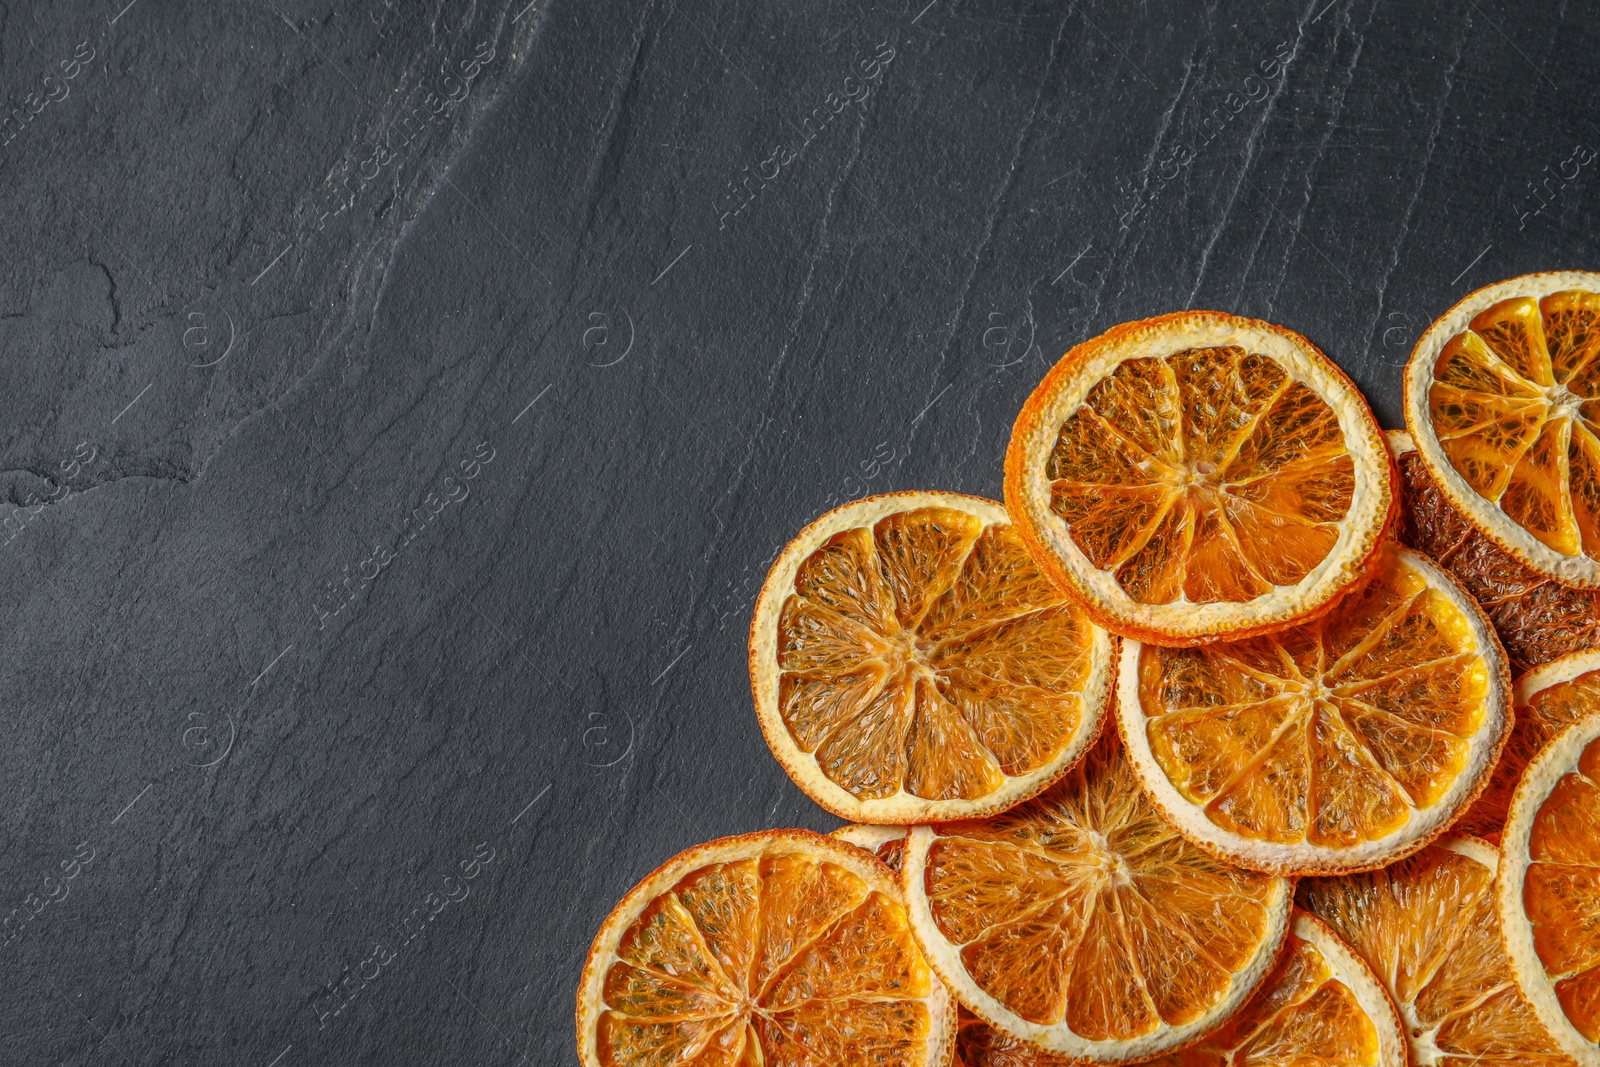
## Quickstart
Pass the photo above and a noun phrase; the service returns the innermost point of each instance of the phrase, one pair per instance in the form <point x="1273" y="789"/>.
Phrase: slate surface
<point x="403" y="401"/>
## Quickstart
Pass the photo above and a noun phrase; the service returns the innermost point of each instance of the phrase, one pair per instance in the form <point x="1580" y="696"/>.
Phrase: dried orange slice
<point x="1502" y="396"/>
<point x="782" y="947"/>
<point x="1321" y="1004"/>
<point x="1548" y="700"/>
<point x="1339" y="744"/>
<point x="1538" y="619"/>
<point x="1081" y="922"/>
<point x="1549" y="894"/>
<point x="1199" y="475"/>
<point x="909" y="662"/>
<point x="1427" y="928"/>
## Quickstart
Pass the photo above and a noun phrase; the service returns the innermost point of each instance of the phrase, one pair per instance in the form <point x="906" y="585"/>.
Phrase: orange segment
<point x="921" y="556"/>
<point x="1571" y="323"/>
<point x="909" y="661"/>
<point x="1338" y="744"/>
<point x="1500" y="399"/>
<point x="1081" y="922"/>
<point x="1196" y="475"/>
<point x="768" y="948"/>
<point x="1427" y="928"/>
<point x="1549" y="897"/>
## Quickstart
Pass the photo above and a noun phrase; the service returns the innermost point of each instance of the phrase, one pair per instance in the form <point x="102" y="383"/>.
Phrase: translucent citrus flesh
<point x="750" y="962"/>
<point x="928" y="654"/>
<point x="1330" y="732"/>
<point x="1547" y="714"/>
<point x="1209" y="475"/>
<point x="1537" y="618"/>
<point x="1084" y="906"/>
<point x="1514" y="406"/>
<point x="1428" y="928"/>
<point x="1561" y="891"/>
<point x="1303" y="1017"/>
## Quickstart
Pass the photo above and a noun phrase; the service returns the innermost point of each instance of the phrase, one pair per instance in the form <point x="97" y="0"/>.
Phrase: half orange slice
<point x="783" y="947"/>
<point x="1199" y="475"/>
<point x="1550" y="888"/>
<point x="909" y="662"/>
<point x="1502" y="396"/>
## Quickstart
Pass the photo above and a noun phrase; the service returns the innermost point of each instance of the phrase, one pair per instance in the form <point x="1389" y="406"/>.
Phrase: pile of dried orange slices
<point x="1203" y="749"/>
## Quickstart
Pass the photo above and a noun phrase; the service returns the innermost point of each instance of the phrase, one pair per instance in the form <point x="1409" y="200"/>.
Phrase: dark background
<point x="272" y="272"/>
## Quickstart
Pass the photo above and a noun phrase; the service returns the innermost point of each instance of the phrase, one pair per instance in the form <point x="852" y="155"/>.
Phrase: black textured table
<point x="402" y="403"/>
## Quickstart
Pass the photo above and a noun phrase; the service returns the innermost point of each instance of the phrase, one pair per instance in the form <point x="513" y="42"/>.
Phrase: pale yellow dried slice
<point x="1502" y="397"/>
<point x="1339" y="744"/>
<point x="1427" y="927"/>
<point x="909" y="662"/>
<point x="1199" y="475"/>
<point x="776" y="948"/>
<point x="1549" y="895"/>
<point x="1081" y="922"/>
<point x="1548" y="700"/>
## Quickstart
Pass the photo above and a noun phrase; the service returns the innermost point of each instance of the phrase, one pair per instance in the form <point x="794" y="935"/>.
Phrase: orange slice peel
<point x="1319" y="997"/>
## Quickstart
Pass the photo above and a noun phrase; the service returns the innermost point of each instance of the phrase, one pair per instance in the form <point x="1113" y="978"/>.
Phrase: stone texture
<point x="403" y="401"/>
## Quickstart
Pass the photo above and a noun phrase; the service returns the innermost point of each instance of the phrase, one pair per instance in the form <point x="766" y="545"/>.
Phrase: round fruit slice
<point x="1502" y="396"/>
<point x="1082" y="923"/>
<point x="909" y="662"/>
<point x="1336" y="745"/>
<point x="1550" y="888"/>
<point x="1320" y="998"/>
<point x="1538" y="619"/>
<point x="1548" y="700"/>
<point x="1427" y="928"/>
<point x="1198" y="475"/>
<point x="1321" y="1005"/>
<point x="782" y="947"/>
